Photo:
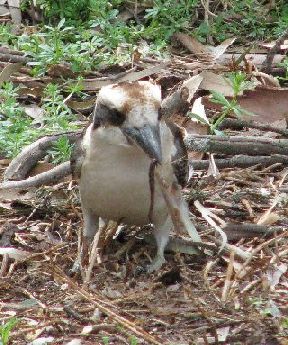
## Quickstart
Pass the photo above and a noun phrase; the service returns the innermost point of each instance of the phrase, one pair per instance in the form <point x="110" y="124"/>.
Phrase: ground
<point x="184" y="303"/>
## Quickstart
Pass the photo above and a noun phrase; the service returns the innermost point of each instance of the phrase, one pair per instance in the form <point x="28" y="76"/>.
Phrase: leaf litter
<point x="236" y="296"/>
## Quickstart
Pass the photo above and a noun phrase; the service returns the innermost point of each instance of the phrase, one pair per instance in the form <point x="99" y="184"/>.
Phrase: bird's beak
<point x="148" y="138"/>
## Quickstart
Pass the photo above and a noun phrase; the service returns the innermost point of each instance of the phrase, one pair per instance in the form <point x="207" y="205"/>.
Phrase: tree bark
<point x="253" y="146"/>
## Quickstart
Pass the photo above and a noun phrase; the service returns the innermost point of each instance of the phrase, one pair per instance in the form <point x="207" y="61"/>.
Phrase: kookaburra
<point x="127" y="136"/>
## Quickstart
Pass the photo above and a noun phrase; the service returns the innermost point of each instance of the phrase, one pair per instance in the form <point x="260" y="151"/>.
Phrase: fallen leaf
<point x="275" y="274"/>
<point x="194" y="46"/>
<point x="14" y="253"/>
<point x="216" y="82"/>
<point x="8" y="70"/>
<point x="269" y="105"/>
<point x="192" y="84"/>
<point x="221" y="48"/>
<point x="42" y="341"/>
<point x="96" y="84"/>
<point x="35" y="113"/>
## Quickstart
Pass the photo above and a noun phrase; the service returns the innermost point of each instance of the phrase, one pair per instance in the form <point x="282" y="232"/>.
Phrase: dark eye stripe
<point x="105" y="116"/>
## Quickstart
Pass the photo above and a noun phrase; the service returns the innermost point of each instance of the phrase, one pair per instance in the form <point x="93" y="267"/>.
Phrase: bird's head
<point x="133" y="107"/>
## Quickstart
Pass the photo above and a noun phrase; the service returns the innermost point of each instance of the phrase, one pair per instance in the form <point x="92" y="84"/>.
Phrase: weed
<point x="133" y="340"/>
<point x="58" y="116"/>
<point x="17" y="129"/>
<point x="239" y="83"/>
<point x="61" y="150"/>
<point x="106" y="340"/>
<point x="5" y="330"/>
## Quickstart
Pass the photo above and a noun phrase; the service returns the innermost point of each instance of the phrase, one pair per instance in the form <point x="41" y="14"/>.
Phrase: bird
<point x="126" y="141"/>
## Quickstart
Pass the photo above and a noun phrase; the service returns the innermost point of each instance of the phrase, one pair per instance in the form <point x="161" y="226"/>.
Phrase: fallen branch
<point x="240" y="124"/>
<point x="51" y="176"/>
<point x="246" y="230"/>
<point x="31" y="154"/>
<point x="12" y="58"/>
<point x="241" y="161"/>
<point x="253" y="146"/>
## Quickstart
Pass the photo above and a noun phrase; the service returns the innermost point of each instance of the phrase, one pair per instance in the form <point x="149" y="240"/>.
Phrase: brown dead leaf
<point x="204" y="52"/>
<point x="194" y="46"/>
<point x="34" y="92"/>
<point x="35" y="113"/>
<point x="221" y="48"/>
<point x="81" y="105"/>
<point x="269" y="105"/>
<point x="212" y="81"/>
<point x="96" y="84"/>
<point x="60" y="71"/>
<point x="8" y="70"/>
<point x="40" y="168"/>
<point x="192" y="85"/>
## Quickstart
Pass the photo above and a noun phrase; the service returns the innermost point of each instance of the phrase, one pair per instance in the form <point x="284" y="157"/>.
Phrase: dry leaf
<point x="275" y="274"/>
<point x="96" y="84"/>
<point x="192" y="84"/>
<point x="194" y="46"/>
<point x="14" y="253"/>
<point x="221" y="48"/>
<point x="8" y="70"/>
<point x="212" y="81"/>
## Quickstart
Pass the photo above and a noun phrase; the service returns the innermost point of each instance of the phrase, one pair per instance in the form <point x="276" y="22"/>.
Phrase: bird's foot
<point x="156" y="264"/>
<point x="153" y="267"/>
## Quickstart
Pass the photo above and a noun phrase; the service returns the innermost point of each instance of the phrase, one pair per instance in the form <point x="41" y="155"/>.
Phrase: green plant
<point x="16" y="130"/>
<point x="133" y="340"/>
<point x="284" y="64"/>
<point x="5" y="330"/>
<point x="58" y="116"/>
<point x="239" y="83"/>
<point x="72" y="10"/>
<point x="167" y="17"/>
<point x="105" y="340"/>
<point x="61" y="150"/>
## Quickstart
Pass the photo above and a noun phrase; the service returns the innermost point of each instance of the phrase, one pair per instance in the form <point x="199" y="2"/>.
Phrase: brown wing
<point x="180" y="159"/>
<point x="77" y="157"/>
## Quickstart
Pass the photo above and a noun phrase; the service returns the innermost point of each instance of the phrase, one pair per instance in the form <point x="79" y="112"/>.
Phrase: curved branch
<point x="51" y="176"/>
<point x="31" y="154"/>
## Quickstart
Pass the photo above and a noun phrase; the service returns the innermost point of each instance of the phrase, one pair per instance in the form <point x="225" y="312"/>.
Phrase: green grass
<point x="17" y="129"/>
<point x="5" y="330"/>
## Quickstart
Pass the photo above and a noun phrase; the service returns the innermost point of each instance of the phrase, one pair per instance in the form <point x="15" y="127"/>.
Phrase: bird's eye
<point x="104" y="115"/>
<point x="160" y="113"/>
<point x="116" y="118"/>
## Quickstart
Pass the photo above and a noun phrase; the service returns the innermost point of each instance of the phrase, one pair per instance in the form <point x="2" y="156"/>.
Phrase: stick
<point x="240" y="124"/>
<point x="253" y="146"/>
<point x="51" y="176"/>
<point x="31" y="154"/>
<point x="241" y="161"/>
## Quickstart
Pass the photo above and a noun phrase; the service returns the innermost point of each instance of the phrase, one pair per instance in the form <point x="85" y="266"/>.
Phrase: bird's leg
<point x="91" y="226"/>
<point x="161" y="234"/>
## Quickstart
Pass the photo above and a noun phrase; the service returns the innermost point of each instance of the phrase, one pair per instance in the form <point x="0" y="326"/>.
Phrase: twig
<point x="51" y="176"/>
<point x="239" y="124"/>
<point x="241" y="161"/>
<point x="253" y="146"/>
<point x="247" y="230"/>
<point x="31" y="154"/>
<point x="104" y="308"/>
<point x="271" y="54"/>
